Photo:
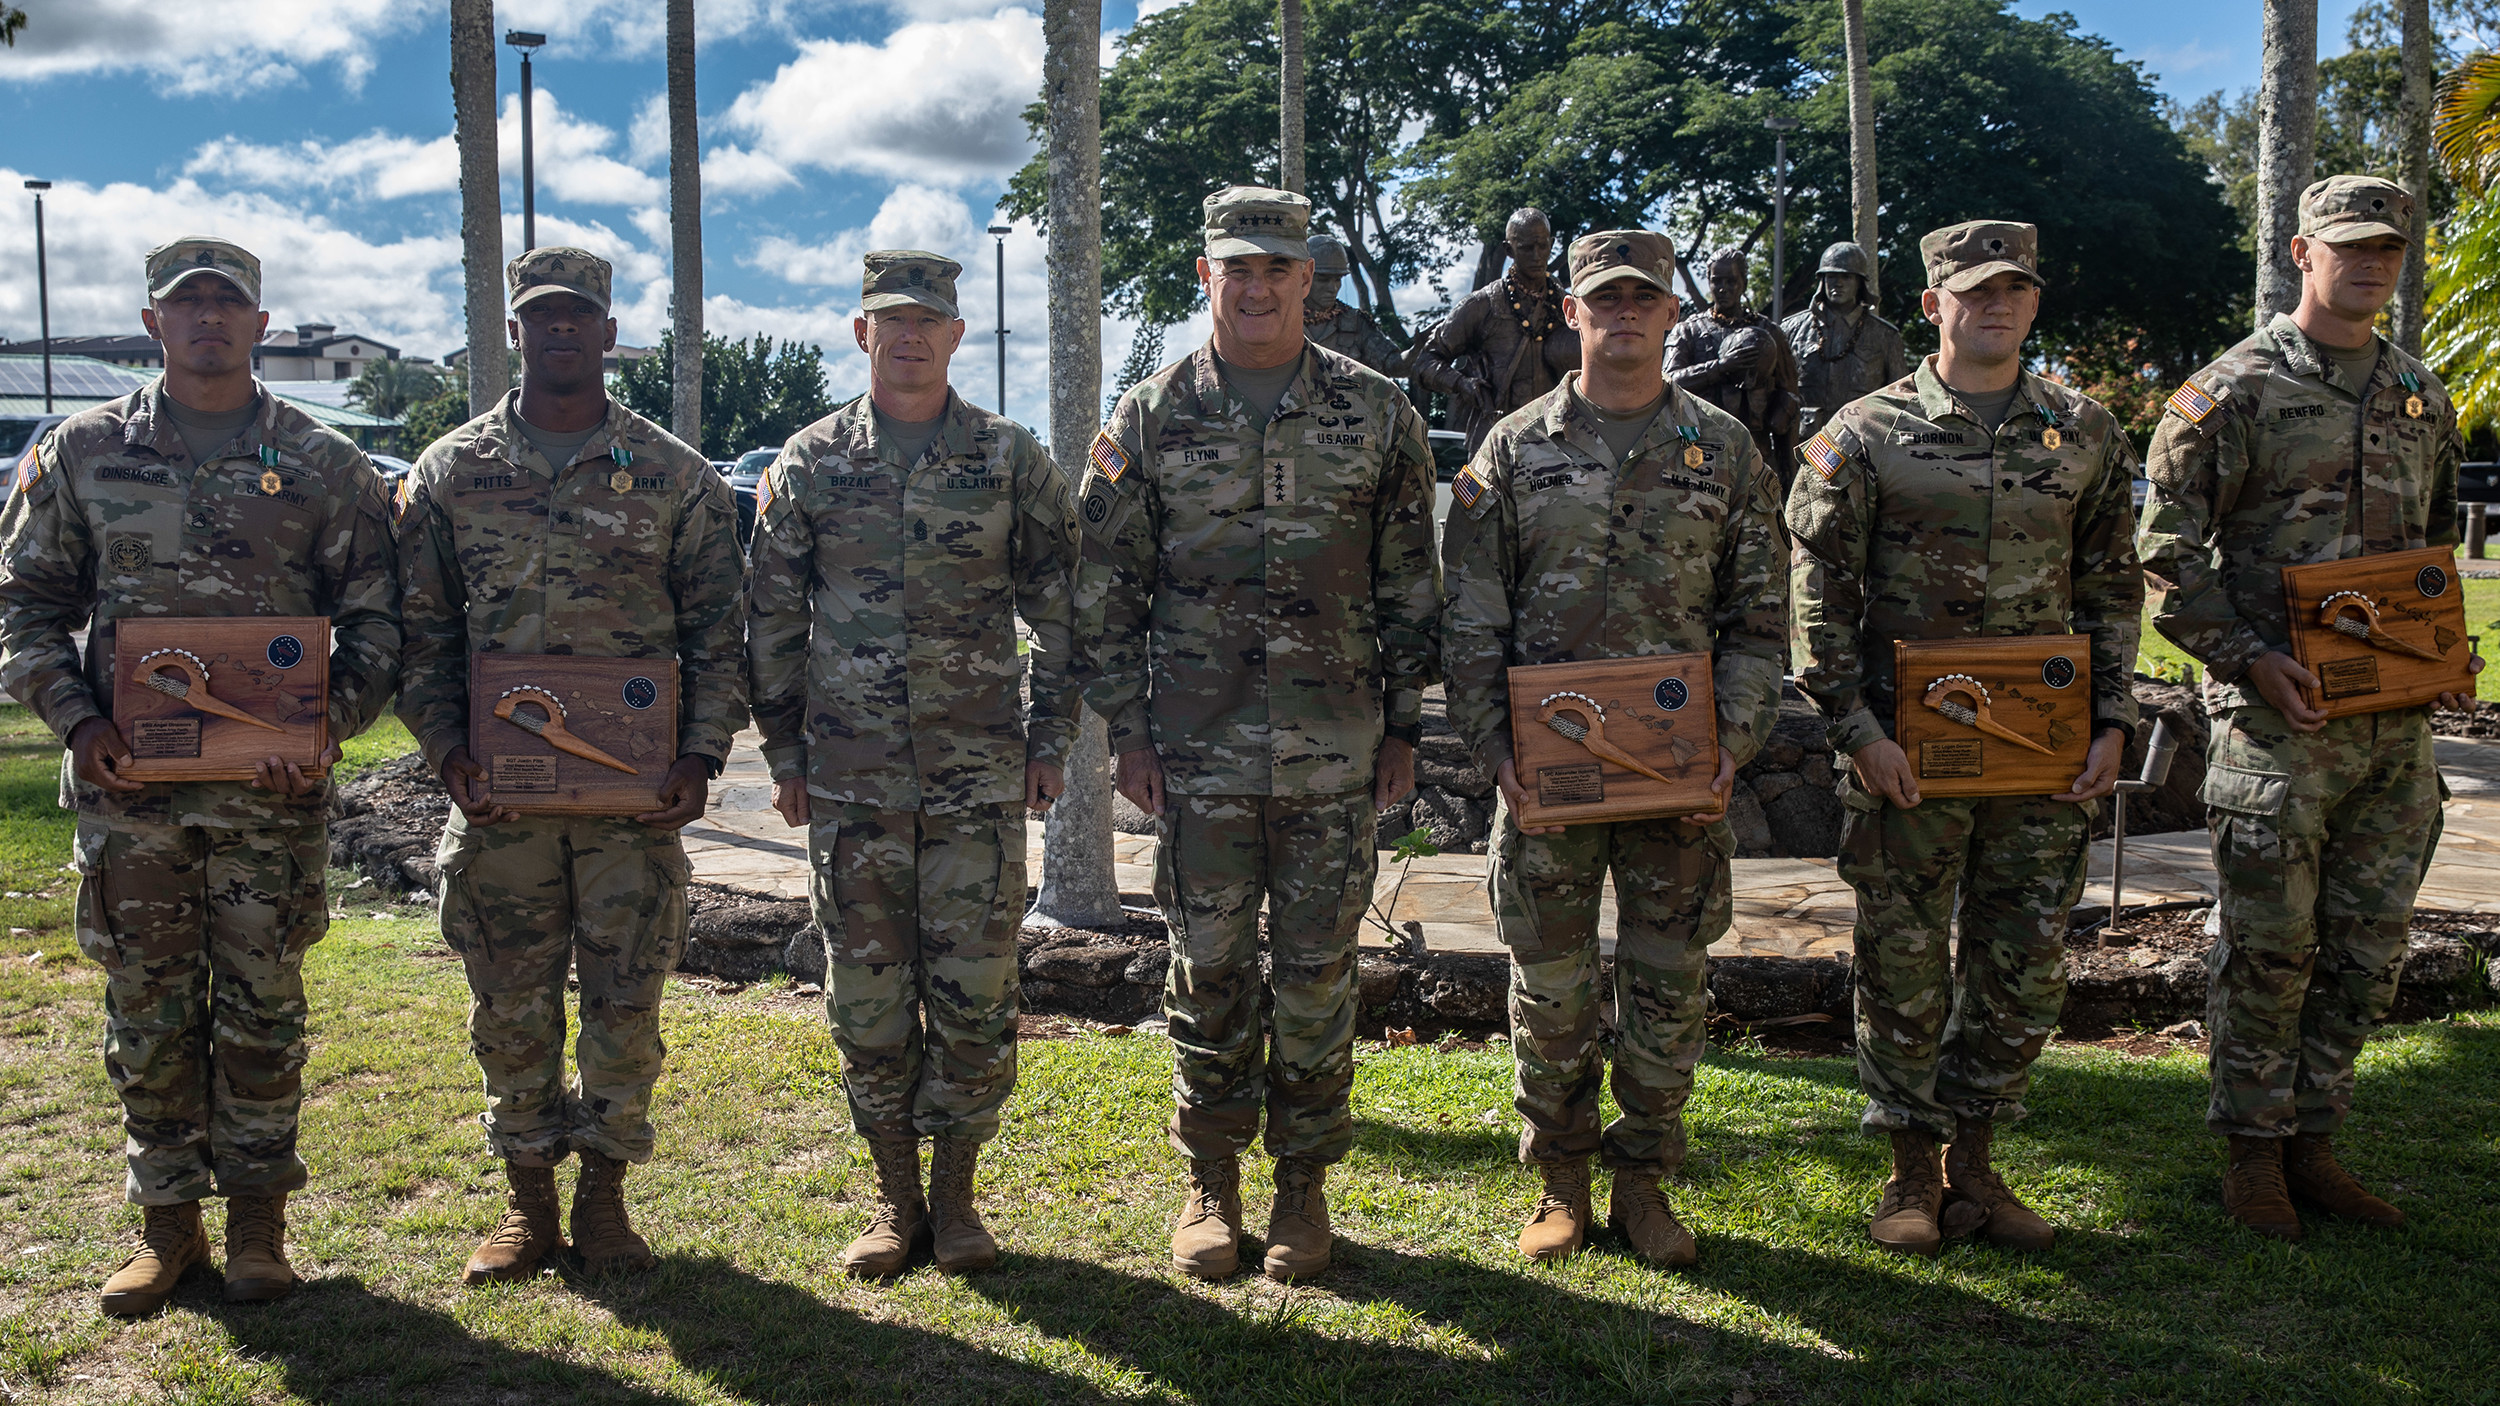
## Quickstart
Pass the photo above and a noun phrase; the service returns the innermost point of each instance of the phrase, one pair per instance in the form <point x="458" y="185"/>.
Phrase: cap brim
<point x="2353" y="234"/>
<point x="183" y="276"/>
<point x="537" y="291"/>
<point x="1967" y="279"/>
<point x="879" y="302"/>
<point x="1250" y="246"/>
<point x="1599" y="278"/>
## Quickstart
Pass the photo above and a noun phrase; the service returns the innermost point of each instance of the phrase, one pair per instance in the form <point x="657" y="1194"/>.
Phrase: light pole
<point x="1002" y="231"/>
<point x="1780" y="128"/>
<point x="527" y="43"/>
<point x="43" y="292"/>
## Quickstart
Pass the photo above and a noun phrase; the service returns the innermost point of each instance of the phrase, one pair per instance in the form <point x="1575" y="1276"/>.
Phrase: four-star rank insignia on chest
<point x="1105" y="455"/>
<point x="1824" y="455"/>
<point x="2191" y="403"/>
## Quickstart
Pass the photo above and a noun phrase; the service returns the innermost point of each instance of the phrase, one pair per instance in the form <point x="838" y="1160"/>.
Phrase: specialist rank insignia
<point x="1824" y="455"/>
<point x="2190" y="403"/>
<point x="1467" y="488"/>
<point x="1107" y="457"/>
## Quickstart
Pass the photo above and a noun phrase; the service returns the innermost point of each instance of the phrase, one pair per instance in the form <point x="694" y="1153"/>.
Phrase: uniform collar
<point x="1206" y="381"/>
<point x="504" y="439"/>
<point x="1564" y="422"/>
<point x="1935" y="399"/>
<point x="2302" y="357"/>
<point x="955" y="428"/>
<point x="152" y="425"/>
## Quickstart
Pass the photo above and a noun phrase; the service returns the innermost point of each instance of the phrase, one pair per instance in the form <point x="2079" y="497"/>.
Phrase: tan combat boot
<point x="256" y="1267"/>
<point x="962" y="1242"/>
<point x="531" y="1229"/>
<point x="602" y="1236"/>
<point x="885" y="1246"/>
<point x="171" y="1243"/>
<point x="1559" y="1225"/>
<point x="1637" y="1209"/>
<point x="1905" y="1220"/>
<point x="1976" y="1199"/>
<point x="1207" y="1241"/>
<point x="1298" y="1238"/>
<point x="2253" y="1190"/>
<point x="2310" y="1172"/>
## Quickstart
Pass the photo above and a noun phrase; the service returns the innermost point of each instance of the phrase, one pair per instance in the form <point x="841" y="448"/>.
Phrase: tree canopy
<point x="755" y="394"/>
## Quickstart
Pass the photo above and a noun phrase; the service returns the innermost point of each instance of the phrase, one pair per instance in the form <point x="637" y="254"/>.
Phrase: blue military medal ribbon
<point x="1691" y="435"/>
<point x="2413" y="393"/>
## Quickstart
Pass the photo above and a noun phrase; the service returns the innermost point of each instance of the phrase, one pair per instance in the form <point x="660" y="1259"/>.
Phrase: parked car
<point x="18" y="435"/>
<point x="391" y="467"/>
<point x="744" y="476"/>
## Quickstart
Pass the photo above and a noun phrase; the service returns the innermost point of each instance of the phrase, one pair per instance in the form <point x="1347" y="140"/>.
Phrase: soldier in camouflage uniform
<point x="2312" y="440"/>
<point x="897" y="541"/>
<point x="1256" y="600"/>
<point x="1347" y="331"/>
<point x="560" y="522"/>
<point x="1613" y="517"/>
<point x="201" y="495"/>
<point x="1971" y="499"/>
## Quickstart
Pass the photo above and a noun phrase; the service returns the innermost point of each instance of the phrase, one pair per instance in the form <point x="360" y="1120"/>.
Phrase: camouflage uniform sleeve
<point x="433" y="622"/>
<point x="1480" y="563"/>
<point x="360" y="570"/>
<point x="1116" y="577"/>
<point x="47" y="592"/>
<point x="1406" y="578"/>
<point x="2197" y="468"/>
<point x="781" y="574"/>
<point x="707" y="578"/>
<point x="2108" y="582"/>
<point x="1832" y="517"/>
<point x="1750" y="625"/>
<point x="1044" y="564"/>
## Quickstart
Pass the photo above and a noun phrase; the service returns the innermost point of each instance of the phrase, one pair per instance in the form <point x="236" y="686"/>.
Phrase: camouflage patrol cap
<point x="1328" y="257"/>
<point x="891" y="278"/>
<point x="1599" y="259"/>
<point x="2341" y="209"/>
<point x="1243" y="221"/>
<point x="558" y="269"/>
<point x="1961" y="257"/>
<point x="170" y="264"/>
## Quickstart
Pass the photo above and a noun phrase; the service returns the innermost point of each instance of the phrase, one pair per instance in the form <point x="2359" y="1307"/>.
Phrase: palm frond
<point x="2462" y="338"/>
<point x="2465" y="126"/>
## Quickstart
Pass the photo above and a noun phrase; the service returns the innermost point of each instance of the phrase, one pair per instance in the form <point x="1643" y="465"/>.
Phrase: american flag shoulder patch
<point x="34" y="469"/>
<point x="1107" y="457"/>
<point x="763" y="495"/>
<point x="2190" y="403"/>
<point x="1824" y="455"/>
<point x="1467" y="488"/>
<point x="405" y="494"/>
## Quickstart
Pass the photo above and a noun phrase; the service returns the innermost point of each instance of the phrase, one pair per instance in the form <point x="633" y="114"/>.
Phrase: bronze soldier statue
<point x="1843" y="349"/>
<point x="1349" y="331"/>
<point x="1738" y="360"/>
<point x="1506" y="344"/>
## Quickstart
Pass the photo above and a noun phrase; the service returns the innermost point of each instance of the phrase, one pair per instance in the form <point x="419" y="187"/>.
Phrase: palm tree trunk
<point x="1289" y="98"/>
<point x="2287" y="147"/>
<point x="1078" y="888"/>
<point x="685" y="228"/>
<point x="2413" y="169"/>
<point x="481" y="196"/>
<point x="1861" y="134"/>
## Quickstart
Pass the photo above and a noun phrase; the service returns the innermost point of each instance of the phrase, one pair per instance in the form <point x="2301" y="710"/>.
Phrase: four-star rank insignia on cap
<point x="1107" y="457"/>
<point x="1824" y="455"/>
<point x="2192" y="404"/>
<point x="1467" y="488"/>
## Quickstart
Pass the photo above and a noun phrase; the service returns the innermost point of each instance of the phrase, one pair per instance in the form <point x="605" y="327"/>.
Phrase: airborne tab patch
<point x="1824" y="455"/>
<point x="1107" y="457"/>
<point x="2190" y="403"/>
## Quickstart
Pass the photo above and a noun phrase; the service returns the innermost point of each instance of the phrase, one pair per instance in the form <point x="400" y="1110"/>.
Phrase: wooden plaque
<point x="233" y="692"/>
<point x="2402" y="640"/>
<point x="2008" y="715"/>
<point x="602" y="749"/>
<point x="1656" y="712"/>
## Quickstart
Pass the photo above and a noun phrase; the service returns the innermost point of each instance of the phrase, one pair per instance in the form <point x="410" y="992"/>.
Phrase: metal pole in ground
<point x="43" y="292"/>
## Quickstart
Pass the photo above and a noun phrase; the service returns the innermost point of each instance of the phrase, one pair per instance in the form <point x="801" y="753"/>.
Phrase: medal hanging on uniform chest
<point x="2413" y="393"/>
<point x="1691" y="435"/>
<point x="2051" y="437"/>
<point x="270" y="483"/>
<point x="621" y="481"/>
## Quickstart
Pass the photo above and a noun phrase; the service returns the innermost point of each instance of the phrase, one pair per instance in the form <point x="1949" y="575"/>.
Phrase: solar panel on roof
<point x="71" y="376"/>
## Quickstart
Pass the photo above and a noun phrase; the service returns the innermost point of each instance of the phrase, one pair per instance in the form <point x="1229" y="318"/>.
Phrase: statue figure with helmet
<point x="1843" y="349"/>
<point x="1752" y="377"/>
<point x="1340" y="327"/>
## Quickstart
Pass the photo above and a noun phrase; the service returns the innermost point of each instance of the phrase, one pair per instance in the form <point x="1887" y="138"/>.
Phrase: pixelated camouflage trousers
<point x="1948" y="1030"/>
<point x="1311" y="861"/>
<point x="202" y="932"/>
<point x="1672" y="898"/>
<point x="524" y="903"/>
<point x="920" y="914"/>
<point x="2320" y="840"/>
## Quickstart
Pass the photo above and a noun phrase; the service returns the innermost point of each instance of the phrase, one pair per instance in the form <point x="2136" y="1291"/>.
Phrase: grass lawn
<point x="2150" y="1294"/>
<point x="2482" y="618"/>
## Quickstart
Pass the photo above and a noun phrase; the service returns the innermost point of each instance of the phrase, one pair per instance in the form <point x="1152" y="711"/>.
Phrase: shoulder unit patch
<point x="1824" y="455"/>
<point x="2190" y="403"/>
<point x="1106" y="456"/>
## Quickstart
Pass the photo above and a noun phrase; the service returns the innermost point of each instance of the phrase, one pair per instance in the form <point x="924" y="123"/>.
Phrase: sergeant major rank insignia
<point x="1107" y="457"/>
<point x="1824" y="455"/>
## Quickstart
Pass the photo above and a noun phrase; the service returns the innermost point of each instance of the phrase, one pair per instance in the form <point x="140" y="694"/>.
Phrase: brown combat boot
<point x="1207" y="1242"/>
<point x="171" y="1243"/>
<point x="256" y="1267"/>
<point x="531" y="1229"/>
<point x="2310" y="1172"/>
<point x="2253" y="1190"/>
<point x="962" y="1242"/>
<point x="1559" y="1225"/>
<point x="1637" y="1209"/>
<point x="1905" y="1220"/>
<point x="902" y="1214"/>
<point x="1976" y="1199"/>
<point x="1298" y="1239"/>
<point x="602" y="1236"/>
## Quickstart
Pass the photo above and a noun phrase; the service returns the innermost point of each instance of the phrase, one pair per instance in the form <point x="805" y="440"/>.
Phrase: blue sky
<point x="317" y="132"/>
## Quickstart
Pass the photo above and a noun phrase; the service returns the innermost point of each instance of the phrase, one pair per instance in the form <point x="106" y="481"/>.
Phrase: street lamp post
<point x="1780" y="128"/>
<point x="526" y="44"/>
<point x="43" y="292"/>
<point x="1002" y="231"/>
